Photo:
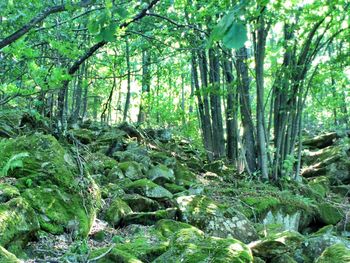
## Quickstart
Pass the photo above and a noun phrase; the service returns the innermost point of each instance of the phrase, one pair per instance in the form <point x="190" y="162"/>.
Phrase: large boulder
<point x="161" y="174"/>
<point x="46" y="178"/>
<point x="116" y="211"/>
<point x="215" y="219"/>
<point x="189" y="245"/>
<point x="149" y="189"/>
<point x="131" y="170"/>
<point x="336" y="253"/>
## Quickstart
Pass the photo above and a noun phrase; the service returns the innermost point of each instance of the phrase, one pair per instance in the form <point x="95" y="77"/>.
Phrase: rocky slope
<point x="116" y="194"/>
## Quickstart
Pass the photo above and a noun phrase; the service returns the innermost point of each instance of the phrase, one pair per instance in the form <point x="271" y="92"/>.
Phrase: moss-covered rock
<point x="46" y="162"/>
<point x="107" y="255"/>
<point x="328" y="214"/>
<point x="283" y="259"/>
<point x="113" y="190"/>
<point x="276" y="245"/>
<point x="18" y="222"/>
<point x="320" y="185"/>
<point x="148" y="188"/>
<point x="131" y="170"/>
<point x="335" y="253"/>
<point x="139" y="203"/>
<point x="183" y="176"/>
<point x="190" y="246"/>
<point x="168" y="227"/>
<point x="116" y="211"/>
<point x="215" y="219"/>
<point x="161" y="174"/>
<point x="7" y="192"/>
<point x="85" y="136"/>
<point x="59" y="211"/>
<point x="7" y="257"/>
<point x="148" y="218"/>
<point x="314" y="245"/>
<point x="98" y="163"/>
<point x="114" y="175"/>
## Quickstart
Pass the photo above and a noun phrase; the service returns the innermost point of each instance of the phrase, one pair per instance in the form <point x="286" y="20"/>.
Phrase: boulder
<point x="7" y="192"/>
<point x="116" y="211"/>
<point x="148" y="218"/>
<point x="161" y="174"/>
<point x="215" y="219"/>
<point x="329" y="214"/>
<point x="131" y="170"/>
<point x="336" y="253"/>
<point x="139" y="203"/>
<point x="7" y="257"/>
<point x="189" y="245"/>
<point x="149" y="189"/>
<point x="276" y="245"/>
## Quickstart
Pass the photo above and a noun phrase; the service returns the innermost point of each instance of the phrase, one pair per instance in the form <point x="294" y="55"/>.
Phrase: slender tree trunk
<point x="146" y="59"/>
<point x="128" y="93"/>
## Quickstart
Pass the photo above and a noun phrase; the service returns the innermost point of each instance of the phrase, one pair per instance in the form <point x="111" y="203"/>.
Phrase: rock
<point x="18" y="222"/>
<point x="85" y="136"/>
<point x="113" y="176"/>
<point x="174" y="188"/>
<point x="328" y="214"/>
<point x="7" y="192"/>
<point x="139" y="203"/>
<point x="131" y="170"/>
<point x="336" y="253"/>
<point x="161" y="174"/>
<point x="98" y="163"/>
<point x="148" y="218"/>
<point x="106" y="255"/>
<point x="189" y="245"/>
<point x="320" y="185"/>
<point x="149" y="189"/>
<point x="283" y="259"/>
<point x="58" y="210"/>
<point x="113" y="190"/>
<point x="168" y="227"/>
<point x="276" y="245"/>
<point x="7" y="257"/>
<point x="283" y="220"/>
<point x="163" y="158"/>
<point x="183" y="175"/>
<point x="116" y="211"/>
<point x="214" y="219"/>
<point x="314" y="246"/>
<point x="321" y="141"/>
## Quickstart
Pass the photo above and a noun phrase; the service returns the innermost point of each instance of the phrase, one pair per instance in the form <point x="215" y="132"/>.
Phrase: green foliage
<point x="16" y="161"/>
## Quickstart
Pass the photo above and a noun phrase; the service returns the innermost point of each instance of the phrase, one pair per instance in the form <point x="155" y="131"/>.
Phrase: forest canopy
<point x="243" y="79"/>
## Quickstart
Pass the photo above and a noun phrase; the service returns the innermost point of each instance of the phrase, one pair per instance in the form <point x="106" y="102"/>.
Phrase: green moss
<point x="17" y="221"/>
<point x="85" y="136"/>
<point x="148" y="188"/>
<point x="336" y="253"/>
<point x="7" y="257"/>
<point x="149" y="218"/>
<point x="320" y="185"/>
<point x="115" y="255"/>
<point x="174" y="188"/>
<point x="7" y="192"/>
<point x="183" y="175"/>
<point x="116" y="211"/>
<point x="189" y="246"/>
<point x="98" y="163"/>
<point x="329" y="214"/>
<point x="47" y="160"/>
<point x="168" y="227"/>
<point x="139" y="203"/>
<point x="161" y="174"/>
<point x="59" y="211"/>
<point x="131" y="170"/>
<point x="277" y="244"/>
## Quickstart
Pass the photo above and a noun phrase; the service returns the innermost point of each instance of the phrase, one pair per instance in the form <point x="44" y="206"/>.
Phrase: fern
<point x="14" y="162"/>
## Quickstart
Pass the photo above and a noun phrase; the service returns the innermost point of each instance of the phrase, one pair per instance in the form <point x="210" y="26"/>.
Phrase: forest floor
<point x="118" y="194"/>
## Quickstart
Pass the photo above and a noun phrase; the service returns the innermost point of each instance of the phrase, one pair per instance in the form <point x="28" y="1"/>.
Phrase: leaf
<point x="122" y="12"/>
<point x="222" y="27"/>
<point x="236" y="36"/>
<point x="14" y="162"/>
<point x="93" y="26"/>
<point x="107" y="33"/>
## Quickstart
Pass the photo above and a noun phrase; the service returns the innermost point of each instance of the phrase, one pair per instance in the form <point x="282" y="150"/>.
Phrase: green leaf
<point x="107" y="33"/>
<point x="236" y="36"/>
<point x="93" y="26"/>
<point x="122" y="12"/>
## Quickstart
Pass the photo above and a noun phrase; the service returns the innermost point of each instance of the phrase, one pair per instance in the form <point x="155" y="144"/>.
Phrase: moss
<point x="168" y="227"/>
<point x="336" y="253"/>
<point x="329" y="214"/>
<point x="59" y="211"/>
<point x="283" y="259"/>
<point x="320" y="185"/>
<point x="7" y="192"/>
<point x="115" y="255"/>
<point x="277" y="244"/>
<point x="112" y="190"/>
<point x="174" y="188"/>
<point x="98" y="163"/>
<point x="85" y="136"/>
<point x="190" y="246"/>
<point x="148" y="188"/>
<point x="183" y="175"/>
<point x="47" y="160"/>
<point x="131" y="170"/>
<point x="139" y="203"/>
<point x="161" y="174"/>
<point x="149" y="218"/>
<point x="116" y="211"/>
<point x="7" y="257"/>
<point x="18" y="221"/>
